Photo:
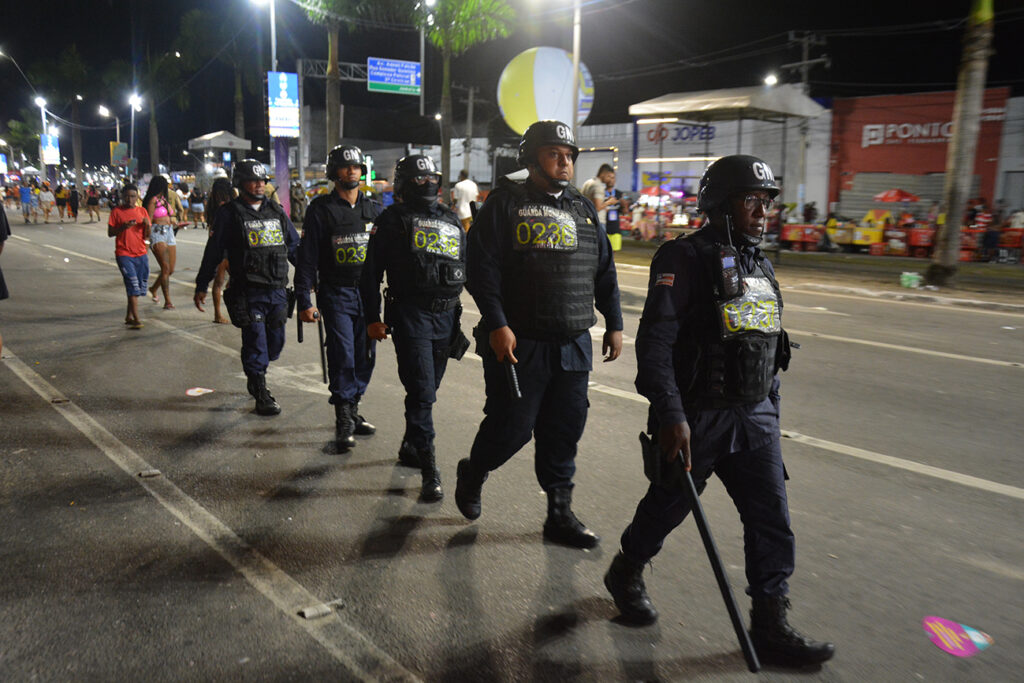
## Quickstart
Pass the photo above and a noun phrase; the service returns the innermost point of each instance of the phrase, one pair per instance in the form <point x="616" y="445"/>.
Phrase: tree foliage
<point x="461" y="24"/>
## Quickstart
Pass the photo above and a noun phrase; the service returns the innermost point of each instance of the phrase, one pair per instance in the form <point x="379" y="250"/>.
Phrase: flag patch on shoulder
<point x="666" y="279"/>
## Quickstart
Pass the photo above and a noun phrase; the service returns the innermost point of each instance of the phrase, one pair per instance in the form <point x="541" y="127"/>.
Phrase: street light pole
<point x="41" y="103"/>
<point x="136" y="103"/>
<point x="273" y="37"/>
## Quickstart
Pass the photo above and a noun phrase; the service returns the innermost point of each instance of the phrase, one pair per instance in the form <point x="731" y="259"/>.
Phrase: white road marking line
<point x="909" y="465"/>
<point x="874" y="297"/>
<point x="360" y="657"/>
<point x="908" y="349"/>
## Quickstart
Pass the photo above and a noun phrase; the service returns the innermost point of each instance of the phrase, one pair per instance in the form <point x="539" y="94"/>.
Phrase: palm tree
<point x="162" y="78"/>
<point x="65" y="77"/>
<point x="205" y="35"/>
<point x="454" y="26"/>
<point x="333" y="14"/>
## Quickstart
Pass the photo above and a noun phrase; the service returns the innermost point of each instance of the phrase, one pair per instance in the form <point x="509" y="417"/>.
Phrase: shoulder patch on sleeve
<point x="665" y="279"/>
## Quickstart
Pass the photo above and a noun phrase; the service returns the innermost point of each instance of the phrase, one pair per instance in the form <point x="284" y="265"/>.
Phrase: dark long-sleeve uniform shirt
<point x="679" y="308"/>
<point x="491" y="240"/>
<point x="389" y="251"/>
<point x="228" y="237"/>
<point x="315" y="251"/>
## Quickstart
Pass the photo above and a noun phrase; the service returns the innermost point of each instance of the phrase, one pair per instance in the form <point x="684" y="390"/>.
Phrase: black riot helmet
<point x="344" y="155"/>
<point x="406" y="170"/>
<point x="248" y="169"/>
<point x="541" y="133"/>
<point x="732" y="174"/>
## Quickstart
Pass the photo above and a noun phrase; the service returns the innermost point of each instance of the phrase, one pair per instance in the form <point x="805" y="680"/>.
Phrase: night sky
<point x="636" y="50"/>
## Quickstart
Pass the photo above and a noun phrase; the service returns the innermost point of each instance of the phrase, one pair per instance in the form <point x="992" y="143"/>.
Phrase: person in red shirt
<point x="129" y="225"/>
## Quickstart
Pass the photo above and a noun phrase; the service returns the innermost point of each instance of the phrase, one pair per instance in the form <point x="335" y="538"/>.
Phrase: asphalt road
<point x="907" y="496"/>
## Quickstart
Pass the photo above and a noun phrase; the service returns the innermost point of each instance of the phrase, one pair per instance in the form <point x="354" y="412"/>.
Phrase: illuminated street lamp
<point x="771" y="79"/>
<point x="273" y="32"/>
<point x="104" y="112"/>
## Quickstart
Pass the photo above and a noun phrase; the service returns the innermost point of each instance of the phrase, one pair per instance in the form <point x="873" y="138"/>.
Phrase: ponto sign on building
<point x="283" y="104"/>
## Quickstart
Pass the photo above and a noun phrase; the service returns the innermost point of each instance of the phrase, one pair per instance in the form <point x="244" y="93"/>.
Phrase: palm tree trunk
<point x="333" y="86"/>
<point x="154" y="142"/>
<point x="446" y="124"/>
<point x="239" y="105"/>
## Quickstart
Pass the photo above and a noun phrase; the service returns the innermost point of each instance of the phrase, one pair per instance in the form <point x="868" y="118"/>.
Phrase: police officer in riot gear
<point x="708" y="349"/>
<point x="538" y="260"/>
<point x="331" y="255"/>
<point x="259" y="241"/>
<point x="421" y="245"/>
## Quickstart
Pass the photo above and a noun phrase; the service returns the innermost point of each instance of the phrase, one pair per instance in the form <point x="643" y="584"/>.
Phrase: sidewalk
<point x="996" y="286"/>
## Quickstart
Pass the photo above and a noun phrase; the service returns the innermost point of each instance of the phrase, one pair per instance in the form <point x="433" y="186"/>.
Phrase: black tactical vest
<point x="348" y="231"/>
<point x="736" y="347"/>
<point x="547" y="282"/>
<point x="437" y="247"/>
<point x="265" y="254"/>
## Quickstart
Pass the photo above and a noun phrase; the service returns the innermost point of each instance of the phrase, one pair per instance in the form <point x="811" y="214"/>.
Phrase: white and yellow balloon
<point x="537" y="85"/>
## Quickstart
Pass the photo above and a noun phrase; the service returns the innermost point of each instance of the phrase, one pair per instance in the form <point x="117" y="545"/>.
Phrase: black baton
<point x="298" y="328"/>
<point x="323" y="344"/>
<point x="723" y="581"/>
<point x="513" y="380"/>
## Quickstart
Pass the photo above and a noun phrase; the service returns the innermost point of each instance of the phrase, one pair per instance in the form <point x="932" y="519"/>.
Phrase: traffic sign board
<point x="393" y="76"/>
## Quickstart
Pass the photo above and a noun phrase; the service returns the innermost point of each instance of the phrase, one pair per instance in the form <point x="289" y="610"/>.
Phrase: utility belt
<point x="340" y="282"/>
<point x="547" y="337"/>
<point x="425" y="301"/>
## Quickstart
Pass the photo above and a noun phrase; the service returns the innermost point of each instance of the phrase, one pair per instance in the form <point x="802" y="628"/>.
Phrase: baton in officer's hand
<point x="716" y="565"/>
<point x="298" y="327"/>
<point x="513" y="380"/>
<point x="323" y="345"/>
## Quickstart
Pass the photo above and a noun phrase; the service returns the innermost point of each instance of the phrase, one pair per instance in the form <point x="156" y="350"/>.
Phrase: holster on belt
<point x="659" y="471"/>
<point x="458" y="344"/>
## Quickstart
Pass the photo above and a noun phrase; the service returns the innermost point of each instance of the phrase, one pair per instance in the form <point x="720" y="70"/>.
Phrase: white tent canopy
<point x="759" y="102"/>
<point x="219" y="140"/>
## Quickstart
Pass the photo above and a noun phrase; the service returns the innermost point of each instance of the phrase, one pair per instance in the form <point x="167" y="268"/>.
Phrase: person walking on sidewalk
<point x="537" y="261"/>
<point x="708" y="349"/>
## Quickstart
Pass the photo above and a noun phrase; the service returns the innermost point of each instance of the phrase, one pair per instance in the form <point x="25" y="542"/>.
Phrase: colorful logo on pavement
<point x="956" y="639"/>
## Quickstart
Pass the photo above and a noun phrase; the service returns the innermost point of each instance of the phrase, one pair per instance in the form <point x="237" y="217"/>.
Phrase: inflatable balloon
<point x="537" y="85"/>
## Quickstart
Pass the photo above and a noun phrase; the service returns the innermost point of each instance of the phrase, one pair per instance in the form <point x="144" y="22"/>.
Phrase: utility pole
<point x="970" y="91"/>
<point x="804" y="65"/>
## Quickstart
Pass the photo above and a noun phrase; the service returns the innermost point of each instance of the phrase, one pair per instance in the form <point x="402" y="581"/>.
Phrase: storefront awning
<point x="219" y="140"/>
<point x="759" y="102"/>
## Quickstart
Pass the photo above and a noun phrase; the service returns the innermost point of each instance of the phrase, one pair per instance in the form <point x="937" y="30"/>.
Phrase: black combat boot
<point x="468" y="486"/>
<point x="431" y="491"/>
<point x="561" y="526"/>
<point x="625" y="581"/>
<point x="407" y="456"/>
<point x="363" y="428"/>
<point x="265" y="403"/>
<point x="343" y="427"/>
<point x="776" y="642"/>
